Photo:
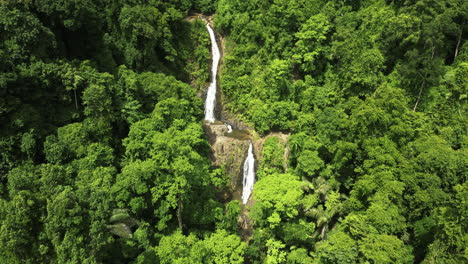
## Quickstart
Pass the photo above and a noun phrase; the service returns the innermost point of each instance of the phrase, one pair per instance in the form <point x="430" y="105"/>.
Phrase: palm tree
<point x="121" y="223"/>
<point x="321" y="213"/>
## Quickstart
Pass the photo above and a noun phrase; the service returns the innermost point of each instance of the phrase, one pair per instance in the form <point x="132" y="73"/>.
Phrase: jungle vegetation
<point x="103" y="158"/>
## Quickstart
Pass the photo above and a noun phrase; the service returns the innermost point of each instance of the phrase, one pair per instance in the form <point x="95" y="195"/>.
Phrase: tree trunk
<point x="76" y="101"/>
<point x="419" y="95"/>
<point x="424" y="82"/>
<point x="322" y="233"/>
<point x="458" y="45"/>
<point x="179" y="212"/>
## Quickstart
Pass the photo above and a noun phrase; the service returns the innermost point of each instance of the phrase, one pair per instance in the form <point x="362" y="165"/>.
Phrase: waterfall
<point x="249" y="175"/>
<point x="210" y="102"/>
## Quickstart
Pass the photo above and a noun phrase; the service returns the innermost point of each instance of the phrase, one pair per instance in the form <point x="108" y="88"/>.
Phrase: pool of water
<point x="239" y="134"/>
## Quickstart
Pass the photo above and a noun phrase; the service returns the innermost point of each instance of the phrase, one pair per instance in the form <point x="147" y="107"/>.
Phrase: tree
<point x="144" y="27"/>
<point x="338" y="248"/>
<point x="218" y="248"/>
<point x="223" y="248"/>
<point x="177" y="248"/>
<point x="272" y="156"/>
<point x="64" y="226"/>
<point x="450" y="243"/>
<point x="19" y="217"/>
<point x="278" y="198"/>
<point x="275" y="254"/>
<point x="230" y="219"/>
<point x="324" y="214"/>
<point x="23" y="36"/>
<point x="311" y="44"/>
<point x="299" y="256"/>
<point x="385" y="249"/>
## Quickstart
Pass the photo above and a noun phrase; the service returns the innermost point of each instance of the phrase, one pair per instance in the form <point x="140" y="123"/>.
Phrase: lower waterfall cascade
<point x="248" y="180"/>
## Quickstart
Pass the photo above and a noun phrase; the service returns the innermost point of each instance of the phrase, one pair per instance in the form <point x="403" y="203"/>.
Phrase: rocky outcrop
<point x="228" y="150"/>
<point x="232" y="119"/>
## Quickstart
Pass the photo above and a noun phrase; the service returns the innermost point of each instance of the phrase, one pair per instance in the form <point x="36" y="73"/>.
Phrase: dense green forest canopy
<point x="103" y="158"/>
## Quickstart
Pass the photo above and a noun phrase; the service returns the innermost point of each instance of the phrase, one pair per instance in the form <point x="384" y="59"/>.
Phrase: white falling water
<point x="229" y="128"/>
<point x="211" y="95"/>
<point x="249" y="175"/>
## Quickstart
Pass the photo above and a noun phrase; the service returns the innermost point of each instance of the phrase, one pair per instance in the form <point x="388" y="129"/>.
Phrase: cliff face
<point x="229" y="150"/>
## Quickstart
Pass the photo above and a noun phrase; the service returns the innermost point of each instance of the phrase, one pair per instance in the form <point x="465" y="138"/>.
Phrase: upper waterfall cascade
<point x="210" y="102"/>
<point x="249" y="175"/>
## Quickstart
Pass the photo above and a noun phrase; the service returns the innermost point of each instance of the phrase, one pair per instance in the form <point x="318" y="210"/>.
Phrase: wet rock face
<point x="232" y="119"/>
<point x="230" y="150"/>
<point x="227" y="151"/>
<point x="215" y="130"/>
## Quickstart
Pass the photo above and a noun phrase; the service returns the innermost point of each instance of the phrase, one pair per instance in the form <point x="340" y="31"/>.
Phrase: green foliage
<point x="219" y="248"/>
<point x="310" y="45"/>
<point x="342" y="248"/>
<point x="176" y="248"/>
<point x="338" y="248"/>
<point x="372" y="93"/>
<point x="97" y="115"/>
<point x="278" y="197"/>
<point x="229" y="221"/>
<point x="385" y="249"/>
<point x="272" y="157"/>
<point x="298" y="256"/>
<point x="275" y="254"/>
<point x="223" y="248"/>
<point x="17" y="221"/>
<point x="103" y="157"/>
<point x="23" y="36"/>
